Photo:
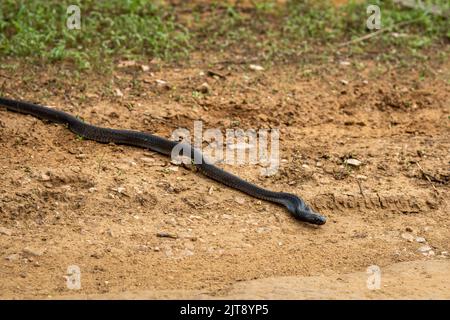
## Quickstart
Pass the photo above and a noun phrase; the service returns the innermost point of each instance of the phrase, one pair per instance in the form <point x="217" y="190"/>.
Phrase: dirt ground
<point x="67" y="201"/>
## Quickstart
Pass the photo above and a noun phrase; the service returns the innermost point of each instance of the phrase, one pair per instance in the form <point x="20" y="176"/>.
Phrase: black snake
<point x="294" y="204"/>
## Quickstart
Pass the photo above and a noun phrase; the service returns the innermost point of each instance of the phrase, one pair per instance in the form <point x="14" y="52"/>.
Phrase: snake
<point x="294" y="204"/>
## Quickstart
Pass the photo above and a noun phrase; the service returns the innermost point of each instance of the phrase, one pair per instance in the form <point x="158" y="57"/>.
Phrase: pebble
<point x="424" y="249"/>
<point x="344" y="82"/>
<point x="12" y="257"/>
<point x="166" y="235"/>
<point x="163" y="84"/>
<point x="120" y="190"/>
<point x="204" y="88"/>
<point x="361" y="177"/>
<point x="5" y="231"/>
<point x="239" y="200"/>
<point x="408" y="236"/>
<point x="256" y="67"/>
<point x="421" y="240"/>
<point x="118" y="93"/>
<point x="111" y="233"/>
<point x="409" y="229"/>
<point x="145" y="68"/>
<point x="353" y="162"/>
<point x="147" y="160"/>
<point x="45" y="177"/>
<point x="33" y="251"/>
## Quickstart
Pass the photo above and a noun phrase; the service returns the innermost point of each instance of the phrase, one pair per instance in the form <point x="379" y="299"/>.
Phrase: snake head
<point x="303" y="212"/>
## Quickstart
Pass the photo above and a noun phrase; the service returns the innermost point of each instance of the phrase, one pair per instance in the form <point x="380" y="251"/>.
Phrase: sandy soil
<point x="65" y="201"/>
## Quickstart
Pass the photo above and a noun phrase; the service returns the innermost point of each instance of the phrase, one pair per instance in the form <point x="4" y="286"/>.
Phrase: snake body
<point x="294" y="204"/>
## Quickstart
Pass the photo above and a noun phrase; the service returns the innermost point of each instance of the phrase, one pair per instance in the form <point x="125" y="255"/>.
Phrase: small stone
<point x="166" y="235"/>
<point x="142" y="247"/>
<point x="12" y="257"/>
<point x="45" y="177"/>
<point x="204" y="88"/>
<point x="156" y="249"/>
<point x="408" y="236"/>
<point x="409" y="229"/>
<point x="431" y="253"/>
<point x="239" y="200"/>
<point x="361" y="177"/>
<point x="5" y="231"/>
<point x="118" y="93"/>
<point x="353" y="162"/>
<point x="261" y="230"/>
<point x="420" y="240"/>
<point x="92" y="190"/>
<point x="424" y="249"/>
<point x="344" y="82"/>
<point x="145" y="68"/>
<point x="33" y="251"/>
<point x="120" y="190"/>
<point x="147" y="160"/>
<point x="256" y="67"/>
<point x="162" y="83"/>
<point x="345" y="63"/>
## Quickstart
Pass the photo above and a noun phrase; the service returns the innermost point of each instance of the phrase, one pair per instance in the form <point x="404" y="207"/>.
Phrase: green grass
<point x="37" y="29"/>
<point x="140" y="29"/>
<point x="305" y="25"/>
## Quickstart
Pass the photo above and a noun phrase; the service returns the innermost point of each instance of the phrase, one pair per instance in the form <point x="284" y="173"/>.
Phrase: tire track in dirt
<point x="404" y="203"/>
